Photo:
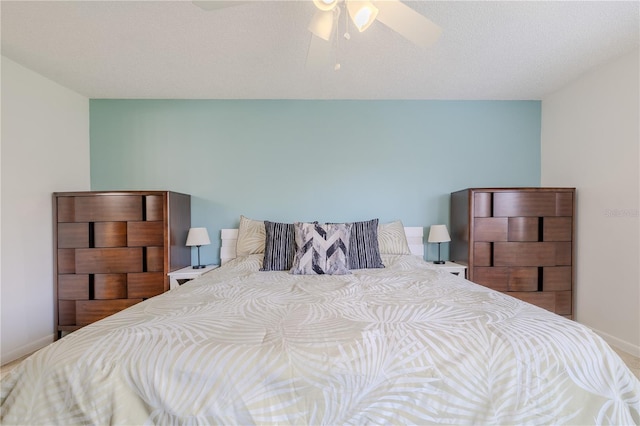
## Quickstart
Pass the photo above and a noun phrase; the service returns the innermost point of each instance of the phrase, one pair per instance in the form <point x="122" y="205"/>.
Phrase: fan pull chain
<point x="337" y="65"/>
<point x="346" y="24"/>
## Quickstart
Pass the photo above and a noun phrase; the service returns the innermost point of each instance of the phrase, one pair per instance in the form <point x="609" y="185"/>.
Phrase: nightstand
<point x="454" y="268"/>
<point x="180" y="276"/>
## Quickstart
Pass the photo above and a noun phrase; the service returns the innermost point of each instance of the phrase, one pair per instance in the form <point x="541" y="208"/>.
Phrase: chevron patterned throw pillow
<point x="321" y="249"/>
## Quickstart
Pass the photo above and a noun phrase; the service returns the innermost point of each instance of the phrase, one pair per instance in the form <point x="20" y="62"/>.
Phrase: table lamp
<point x="438" y="234"/>
<point x="198" y="237"/>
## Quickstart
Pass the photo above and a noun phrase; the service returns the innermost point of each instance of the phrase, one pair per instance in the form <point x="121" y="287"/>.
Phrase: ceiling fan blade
<point x="408" y="23"/>
<point x="319" y="54"/>
<point x="218" y="4"/>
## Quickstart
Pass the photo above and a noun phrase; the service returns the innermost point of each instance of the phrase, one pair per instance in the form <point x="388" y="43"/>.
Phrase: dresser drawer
<point x="88" y="311"/>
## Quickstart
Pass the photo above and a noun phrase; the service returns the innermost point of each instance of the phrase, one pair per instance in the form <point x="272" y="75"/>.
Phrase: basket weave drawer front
<point x="108" y="208"/>
<point x="108" y="260"/>
<point x="557" y="278"/>
<point x="517" y="240"/>
<point x="66" y="312"/>
<point x="110" y="234"/>
<point x="524" y="254"/>
<point x="110" y="286"/>
<point x="504" y="278"/>
<point x="557" y="229"/>
<point x="509" y="204"/>
<point x="114" y="249"/>
<point x="554" y="301"/>
<point x="88" y="311"/>
<point x="523" y="229"/>
<point x="66" y="261"/>
<point x="145" y="285"/>
<point x="141" y="234"/>
<point x="491" y="229"/>
<point x="73" y="235"/>
<point x="73" y="287"/>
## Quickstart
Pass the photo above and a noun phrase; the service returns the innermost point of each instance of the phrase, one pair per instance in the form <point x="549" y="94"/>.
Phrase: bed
<point x="401" y="344"/>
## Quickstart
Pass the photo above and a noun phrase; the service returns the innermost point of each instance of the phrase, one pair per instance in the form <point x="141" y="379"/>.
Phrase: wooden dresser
<point x="518" y="241"/>
<point x="115" y="249"/>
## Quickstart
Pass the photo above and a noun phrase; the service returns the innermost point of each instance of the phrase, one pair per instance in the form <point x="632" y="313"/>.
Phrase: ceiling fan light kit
<point x="325" y="5"/>
<point x="362" y="13"/>
<point x="322" y="24"/>
<point x="394" y="14"/>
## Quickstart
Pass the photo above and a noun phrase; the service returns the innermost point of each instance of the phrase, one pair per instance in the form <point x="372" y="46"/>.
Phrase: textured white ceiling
<point x="257" y="50"/>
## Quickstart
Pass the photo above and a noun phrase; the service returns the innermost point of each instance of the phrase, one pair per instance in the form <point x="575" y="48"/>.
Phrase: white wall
<point x="45" y="148"/>
<point x="590" y="140"/>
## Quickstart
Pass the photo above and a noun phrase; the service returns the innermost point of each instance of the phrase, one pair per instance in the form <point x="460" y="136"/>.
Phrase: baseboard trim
<point x="26" y="349"/>
<point x="619" y="343"/>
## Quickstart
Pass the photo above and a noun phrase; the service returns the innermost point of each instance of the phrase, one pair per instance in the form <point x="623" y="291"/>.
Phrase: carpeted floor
<point x="632" y="362"/>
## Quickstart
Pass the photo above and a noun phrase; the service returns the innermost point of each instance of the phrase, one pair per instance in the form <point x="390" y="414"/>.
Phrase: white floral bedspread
<point x="402" y="345"/>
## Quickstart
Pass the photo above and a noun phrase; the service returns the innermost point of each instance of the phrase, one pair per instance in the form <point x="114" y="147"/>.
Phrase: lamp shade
<point x="198" y="237"/>
<point x="325" y="4"/>
<point x="438" y="234"/>
<point x="322" y="24"/>
<point x="362" y="13"/>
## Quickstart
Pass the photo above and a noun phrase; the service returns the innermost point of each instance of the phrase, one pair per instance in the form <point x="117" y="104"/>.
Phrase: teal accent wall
<point x="288" y="160"/>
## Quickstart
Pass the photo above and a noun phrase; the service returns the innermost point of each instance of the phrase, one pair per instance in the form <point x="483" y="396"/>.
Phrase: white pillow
<point x="392" y="239"/>
<point x="251" y="237"/>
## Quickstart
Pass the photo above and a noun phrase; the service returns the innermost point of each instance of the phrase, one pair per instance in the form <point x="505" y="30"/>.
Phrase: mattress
<point x="406" y="344"/>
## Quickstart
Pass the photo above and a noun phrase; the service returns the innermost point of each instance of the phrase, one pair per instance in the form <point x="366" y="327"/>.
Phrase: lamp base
<point x="203" y="266"/>
<point x="438" y="262"/>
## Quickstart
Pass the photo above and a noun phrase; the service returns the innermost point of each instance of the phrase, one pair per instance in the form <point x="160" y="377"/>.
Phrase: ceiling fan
<point x="363" y="13"/>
